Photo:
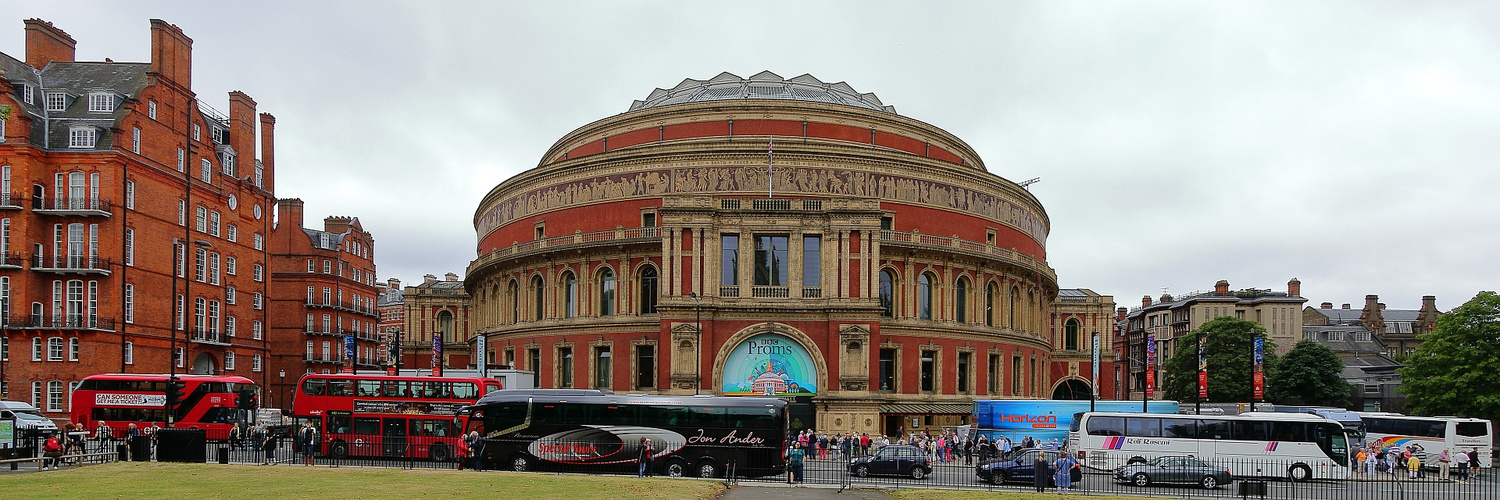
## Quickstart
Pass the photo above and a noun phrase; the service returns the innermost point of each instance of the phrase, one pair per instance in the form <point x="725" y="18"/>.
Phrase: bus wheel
<point x="339" y="449"/>
<point x="708" y="469"/>
<point x="675" y="468"/>
<point x="520" y="463"/>
<point x="438" y="453"/>
<point x="1299" y="472"/>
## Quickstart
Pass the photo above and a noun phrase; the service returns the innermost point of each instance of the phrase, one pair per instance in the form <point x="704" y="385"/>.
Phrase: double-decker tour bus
<point x="1299" y="446"/>
<point x="593" y="430"/>
<point x="386" y="416"/>
<point x="121" y="399"/>
<point x="1431" y="434"/>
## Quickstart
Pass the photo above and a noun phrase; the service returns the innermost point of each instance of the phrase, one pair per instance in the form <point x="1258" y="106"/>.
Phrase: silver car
<point x="1179" y="470"/>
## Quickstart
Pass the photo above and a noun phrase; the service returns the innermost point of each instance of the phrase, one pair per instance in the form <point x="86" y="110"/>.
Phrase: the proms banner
<point x="769" y="365"/>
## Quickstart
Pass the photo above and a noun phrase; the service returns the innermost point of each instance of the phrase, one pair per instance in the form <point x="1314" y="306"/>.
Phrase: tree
<point x="1453" y="371"/>
<point x="1311" y="373"/>
<point x="1230" y="351"/>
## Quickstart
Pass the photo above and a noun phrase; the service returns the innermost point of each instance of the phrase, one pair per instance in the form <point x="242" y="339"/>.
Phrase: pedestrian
<point x="794" y="463"/>
<point x="258" y="436"/>
<point x="307" y="442"/>
<point x="643" y="457"/>
<point x="103" y="434"/>
<point x="1369" y="462"/>
<point x="1461" y="460"/>
<point x="1039" y="472"/>
<point x="864" y="444"/>
<point x="269" y="445"/>
<point x="476" y="450"/>
<point x="1413" y="464"/>
<point x="1064" y="465"/>
<point x="236" y="435"/>
<point x="52" y="452"/>
<point x="1445" y="461"/>
<point x="1474" y="462"/>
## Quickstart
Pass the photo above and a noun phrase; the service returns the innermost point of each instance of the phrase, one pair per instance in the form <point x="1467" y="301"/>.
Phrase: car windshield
<point x="30" y="416"/>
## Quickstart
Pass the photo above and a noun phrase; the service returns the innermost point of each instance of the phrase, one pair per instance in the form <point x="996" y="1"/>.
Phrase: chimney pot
<point x="1346" y="306"/>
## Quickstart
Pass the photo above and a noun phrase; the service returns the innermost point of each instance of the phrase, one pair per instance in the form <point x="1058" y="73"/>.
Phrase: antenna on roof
<point x="1029" y="182"/>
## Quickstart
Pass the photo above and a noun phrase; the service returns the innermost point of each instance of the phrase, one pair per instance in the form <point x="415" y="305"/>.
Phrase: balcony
<point x="317" y="333"/>
<point x="11" y="260"/>
<point x="85" y="206"/>
<point x="321" y="360"/>
<point x="63" y="323"/>
<point x="990" y="252"/>
<point x="622" y="236"/>
<point x="343" y="306"/>
<point x="208" y="338"/>
<point x="11" y="201"/>
<point x="71" y="264"/>
<point x="769" y="292"/>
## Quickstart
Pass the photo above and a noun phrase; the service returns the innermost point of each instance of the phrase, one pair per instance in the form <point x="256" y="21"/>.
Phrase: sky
<point x="1351" y="145"/>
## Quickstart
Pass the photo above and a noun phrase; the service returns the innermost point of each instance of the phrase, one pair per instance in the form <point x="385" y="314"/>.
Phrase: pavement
<point x="829" y="492"/>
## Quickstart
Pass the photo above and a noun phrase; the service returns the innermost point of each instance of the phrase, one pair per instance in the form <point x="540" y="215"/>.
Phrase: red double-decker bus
<point x="122" y="399"/>
<point x="384" y="415"/>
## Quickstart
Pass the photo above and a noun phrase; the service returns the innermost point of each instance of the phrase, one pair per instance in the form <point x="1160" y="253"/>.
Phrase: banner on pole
<point x="484" y="356"/>
<point x="349" y="358"/>
<point x="437" y="354"/>
<point x="1260" y="378"/>
<point x="1202" y="368"/>
<point x="1150" y="366"/>
<point x="1095" y="369"/>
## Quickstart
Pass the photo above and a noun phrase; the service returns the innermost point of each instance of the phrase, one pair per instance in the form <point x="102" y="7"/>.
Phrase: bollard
<point x="223" y="455"/>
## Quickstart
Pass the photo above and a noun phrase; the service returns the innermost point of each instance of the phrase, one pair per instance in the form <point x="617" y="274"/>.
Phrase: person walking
<point x="1461" y="459"/>
<point x="1474" y="462"/>
<point x="1445" y="461"/>
<point x="643" y="457"/>
<point x="103" y="433"/>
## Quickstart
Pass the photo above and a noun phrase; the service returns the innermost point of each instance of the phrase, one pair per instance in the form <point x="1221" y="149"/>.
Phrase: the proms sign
<point x="769" y="365"/>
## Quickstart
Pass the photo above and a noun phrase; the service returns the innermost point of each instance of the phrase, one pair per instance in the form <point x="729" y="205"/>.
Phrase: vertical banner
<point x="1202" y="368"/>
<point x="1150" y="366"/>
<point x="1095" y="362"/>
<point x="437" y="354"/>
<point x="484" y="356"/>
<point x="349" y="358"/>
<point x="1260" y="376"/>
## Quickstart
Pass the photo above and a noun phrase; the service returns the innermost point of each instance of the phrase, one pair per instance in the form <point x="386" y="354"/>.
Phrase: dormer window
<point x="102" y="102"/>
<point x="83" y="137"/>
<point x="26" y="94"/>
<point x="57" y="101"/>
<point x="216" y="134"/>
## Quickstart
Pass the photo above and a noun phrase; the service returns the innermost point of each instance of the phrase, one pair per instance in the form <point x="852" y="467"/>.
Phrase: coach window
<point x="1179" y="428"/>
<point x="367" y="388"/>
<point x="1213" y="429"/>
<point x="340" y="387"/>
<point x="1106" y="426"/>
<point x="1143" y="427"/>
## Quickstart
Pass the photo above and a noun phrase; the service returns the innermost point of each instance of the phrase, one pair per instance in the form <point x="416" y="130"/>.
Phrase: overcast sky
<point x="1351" y="145"/>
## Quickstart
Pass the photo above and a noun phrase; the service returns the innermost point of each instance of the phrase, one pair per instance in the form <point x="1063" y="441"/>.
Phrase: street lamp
<point x="698" y="343"/>
<point x="177" y="313"/>
<point x="281" y="400"/>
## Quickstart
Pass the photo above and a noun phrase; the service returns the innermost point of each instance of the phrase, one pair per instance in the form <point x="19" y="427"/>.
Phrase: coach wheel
<point x="1140" y="479"/>
<point x="1209" y="483"/>
<point x="1299" y="472"/>
<point x="439" y="453"/>
<point x="675" y="468"/>
<point x="520" y="463"/>
<point x="708" y="469"/>
<point x="862" y="471"/>
<point x="339" y="449"/>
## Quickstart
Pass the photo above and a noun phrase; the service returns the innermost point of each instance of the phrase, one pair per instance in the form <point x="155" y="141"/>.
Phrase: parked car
<point x="1179" y="470"/>
<point x="26" y="417"/>
<point x="1018" y="466"/>
<point x="894" y="460"/>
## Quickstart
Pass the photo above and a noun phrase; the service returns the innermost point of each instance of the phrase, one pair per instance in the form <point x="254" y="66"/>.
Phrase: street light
<point x="177" y="313"/>
<point x="698" y="343"/>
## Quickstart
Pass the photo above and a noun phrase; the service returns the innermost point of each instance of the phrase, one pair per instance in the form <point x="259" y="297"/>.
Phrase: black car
<point x="1018" y="466"/>
<point x="894" y="460"/>
<point x="1180" y="470"/>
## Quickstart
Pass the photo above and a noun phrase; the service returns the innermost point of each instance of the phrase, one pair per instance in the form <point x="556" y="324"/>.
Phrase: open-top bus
<point x="1299" y="446"/>
<point x="121" y="399"/>
<point x="1431" y="434"/>
<point x="386" y="416"/>
<point x="592" y="430"/>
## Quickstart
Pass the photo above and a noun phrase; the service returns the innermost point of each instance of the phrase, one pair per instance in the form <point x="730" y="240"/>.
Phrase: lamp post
<point x="281" y="400"/>
<point x="698" y="343"/>
<point x="178" y="308"/>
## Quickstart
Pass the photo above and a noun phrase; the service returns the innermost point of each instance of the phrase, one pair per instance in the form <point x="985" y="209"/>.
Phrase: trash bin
<point x="122" y="452"/>
<point x="140" y="448"/>
<point x="1252" y="488"/>
<point x="224" y="455"/>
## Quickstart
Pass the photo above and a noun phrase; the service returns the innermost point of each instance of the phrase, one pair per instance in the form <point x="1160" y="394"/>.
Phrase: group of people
<point x="471" y="449"/>
<point x="838" y="446"/>
<point x="1376" y="459"/>
<point x="1064" y="471"/>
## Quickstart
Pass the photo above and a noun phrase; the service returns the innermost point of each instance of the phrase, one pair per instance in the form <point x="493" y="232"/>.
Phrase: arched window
<point x="648" y="290"/>
<point x="570" y="295"/>
<point x="445" y="326"/>
<point x="990" y="293"/>
<point x="961" y="301"/>
<point x="924" y="296"/>
<point x="1010" y="308"/>
<point x="515" y="302"/>
<point x="1070" y="335"/>
<point x="606" y="293"/>
<point x="887" y="289"/>
<point x="495" y="303"/>
<point x="538" y="299"/>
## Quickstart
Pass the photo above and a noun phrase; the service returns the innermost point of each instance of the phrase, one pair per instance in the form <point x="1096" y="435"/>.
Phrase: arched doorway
<point x="205" y="364"/>
<point x="1071" y="389"/>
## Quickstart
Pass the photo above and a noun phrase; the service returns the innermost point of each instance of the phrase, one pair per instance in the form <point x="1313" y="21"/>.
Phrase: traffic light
<point x="246" y="400"/>
<point x="175" y="394"/>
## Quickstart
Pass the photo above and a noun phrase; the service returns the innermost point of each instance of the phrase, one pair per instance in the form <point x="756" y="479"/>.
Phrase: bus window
<point x="391" y="388"/>
<point x="546" y="413"/>
<point x="1471" y="429"/>
<point x="706" y="417"/>
<point x="504" y="416"/>
<point x="338" y="423"/>
<point x="367" y="388"/>
<point x="432" y="427"/>
<point x="340" y="387"/>
<point x="1213" y="429"/>
<point x="1252" y="431"/>
<point x="464" y="390"/>
<point x="664" y="415"/>
<point x="314" y="386"/>
<point x="1106" y="426"/>
<point x="751" y="418"/>
<point x="612" y="415"/>
<point x="1143" y="427"/>
<point x="1436" y="429"/>
<point x="1289" y="431"/>
<point x="366" y="425"/>
<point x="1179" y="428"/>
<point x="317" y="422"/>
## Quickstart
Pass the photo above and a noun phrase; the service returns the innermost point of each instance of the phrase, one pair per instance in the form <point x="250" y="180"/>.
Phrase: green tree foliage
<point x="1230" y="351"/>
<point x="1454" y="371"/>
<point x="1310" y="374"/>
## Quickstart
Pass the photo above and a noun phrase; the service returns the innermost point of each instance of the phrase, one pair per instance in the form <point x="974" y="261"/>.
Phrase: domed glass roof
<point x="763" y="85"/>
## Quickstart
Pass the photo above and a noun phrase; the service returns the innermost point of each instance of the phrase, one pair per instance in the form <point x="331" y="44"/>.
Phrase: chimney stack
<point x="1294" y="287"/>
<point x="46" y="44"/>
<point x="171" y="53"/>
<point x="428" y="279"/>
<point x="267" y="151"/>
<point x="289" y="211"/>
<point x="1165" y="298"/>
<point x="1221" y="288"/>
<point x="1146" y="301"/>
<point x="393" y="284"/>
<point x="450" y="277"/>
<point x="1120" y="314"/>
<point x="1346" y="306"/>
<point x="1327" y="305"/>
<point x="242" y="132"/>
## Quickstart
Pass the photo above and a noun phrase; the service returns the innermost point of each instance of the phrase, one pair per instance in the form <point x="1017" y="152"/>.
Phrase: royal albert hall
<point x="769" y="236"/>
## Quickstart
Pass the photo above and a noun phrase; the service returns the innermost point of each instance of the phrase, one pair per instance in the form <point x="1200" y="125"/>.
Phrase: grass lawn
<point x="195" y="481"/>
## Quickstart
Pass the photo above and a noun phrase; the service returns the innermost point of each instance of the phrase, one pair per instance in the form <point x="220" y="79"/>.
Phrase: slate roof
<point x="763" y="85"/>
<point x="123" y="81"/>
<point x="390" y="297"/>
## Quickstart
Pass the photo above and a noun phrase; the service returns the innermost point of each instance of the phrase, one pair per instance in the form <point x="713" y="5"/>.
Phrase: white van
<point x="26" y="416"/>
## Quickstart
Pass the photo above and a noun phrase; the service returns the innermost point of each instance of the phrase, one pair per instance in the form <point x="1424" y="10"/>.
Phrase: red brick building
<point x="770" y="236"/>
<point x="322" y="306"/>
<point x="109" y="173"/>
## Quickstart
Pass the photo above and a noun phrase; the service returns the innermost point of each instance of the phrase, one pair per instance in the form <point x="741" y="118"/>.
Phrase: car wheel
<point x="520" y="463"/>
<point x="1140" y="479"/>
<point x="1209" y="483"/>
<point x="675" y="468"/>
<point x="999" y="477"/>
<point x="862" y="471"/>
<point x="339" y="449"/>
<point x="438" y="453"/>
<point x="707" y="469"/>
<point x="1299" y="473"/>
<point x="918" y="473"/>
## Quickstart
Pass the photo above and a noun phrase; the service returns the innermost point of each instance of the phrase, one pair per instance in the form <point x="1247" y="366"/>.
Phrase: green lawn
<point x="196" y="481"/>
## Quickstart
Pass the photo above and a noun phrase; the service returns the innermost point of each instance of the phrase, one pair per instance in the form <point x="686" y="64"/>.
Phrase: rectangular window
<point x="994" y="374"/>
<point x="129" y="303"/>
<point x="259" y="273"/>
<point x="200" y="263"/>
<point x="309" y="350"/>
<point x="130" y="195"/>
<point x="181" y="161"/>
<point x="101" y="102"/>
<point x="729" y="261"/>
<point x="55" y="396"/>
<point x="534" y="363"/>
<point x="1015" y="376"/>
<point x="82" y="137"/>
<point x="812" y="253"/>
<point x="55" y="349"/>
<point x="213" y="222"/>
<point x="57" y="101"/>
<point x="36" y="394"/>
<point x="645" y="367"/>
<point x="73" y="349"/>
<point x="205" y="170"/>
<point x="129" y="352"/>
<point x="259" y="242"/>
<point x="181" y="212"/>
<point x="230" y="266"/>
<point x="228" y="360"/>
<point x="129" y="247"/>
<point x="770" y="260"/>
<point x="963" y="372"/>
<point x="232" y="233"/>
<point x="256" y="302"/>
<point x="201" y="221"/>
<point x="229" y="293"/>
<point x="602" y="368"/>
<point x="255" y="329"/>
<point x="929" y="371"/>
<point x="135" y="140"/>
<point x="255" y="363"/>
<point x="151" y="109"/>
<point x="565" y="367"/>
<point x="888" y="369"/>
